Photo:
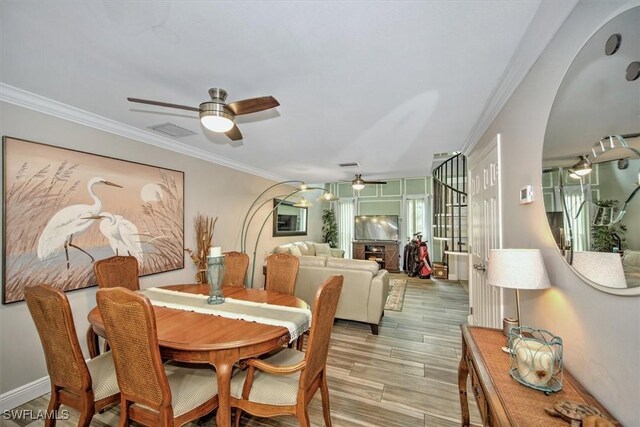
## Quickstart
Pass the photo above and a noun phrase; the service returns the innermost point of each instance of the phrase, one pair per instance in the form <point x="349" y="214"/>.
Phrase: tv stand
<point x="385" y="253"/>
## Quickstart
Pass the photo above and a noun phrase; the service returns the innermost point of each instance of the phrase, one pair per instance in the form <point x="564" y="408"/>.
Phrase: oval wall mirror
<point x="591" y="160"/>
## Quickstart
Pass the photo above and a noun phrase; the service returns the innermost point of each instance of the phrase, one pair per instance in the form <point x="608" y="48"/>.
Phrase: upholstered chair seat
<point x="270" y="389"/>
<point x="103" y="376"/>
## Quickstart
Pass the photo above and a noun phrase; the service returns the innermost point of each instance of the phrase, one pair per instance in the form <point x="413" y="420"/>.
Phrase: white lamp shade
<point x="517" y="269"/>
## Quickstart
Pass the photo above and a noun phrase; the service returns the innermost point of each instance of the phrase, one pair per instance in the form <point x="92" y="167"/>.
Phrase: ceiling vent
<point x="172" y="130"/>
<point x="349" y="164"/>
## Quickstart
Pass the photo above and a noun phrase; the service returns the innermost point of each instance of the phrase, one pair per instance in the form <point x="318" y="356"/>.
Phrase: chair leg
<point x="303" y="418"/>
<point x="54" y="405"/>
<point x="324" y="392"/>
<point x="374" y="328"/>
<point x="238" y="416"/>
<point x="85" y="419"/>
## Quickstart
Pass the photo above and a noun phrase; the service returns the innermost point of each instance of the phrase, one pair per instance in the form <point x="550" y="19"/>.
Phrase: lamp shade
<point x="517" y="269"/>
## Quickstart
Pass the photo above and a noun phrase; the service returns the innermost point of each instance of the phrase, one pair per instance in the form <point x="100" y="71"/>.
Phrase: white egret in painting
<point x="122" y="234"/>
<point x="69" y="221"/>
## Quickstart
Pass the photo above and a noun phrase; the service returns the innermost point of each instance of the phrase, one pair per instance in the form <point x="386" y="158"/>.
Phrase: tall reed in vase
<point x="204" y="226"/>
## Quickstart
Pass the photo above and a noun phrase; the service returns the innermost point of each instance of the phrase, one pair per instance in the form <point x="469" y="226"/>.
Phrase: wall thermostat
<point x="526" y="195"/>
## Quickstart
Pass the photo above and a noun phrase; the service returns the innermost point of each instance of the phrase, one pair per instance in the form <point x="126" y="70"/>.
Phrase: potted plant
<point x="329" y="228"/>
<point x="606" y="236"/>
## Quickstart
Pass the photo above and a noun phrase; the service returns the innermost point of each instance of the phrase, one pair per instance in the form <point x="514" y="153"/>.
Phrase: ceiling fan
<point x="358" y="183"/>
<point x="218" y="116"/>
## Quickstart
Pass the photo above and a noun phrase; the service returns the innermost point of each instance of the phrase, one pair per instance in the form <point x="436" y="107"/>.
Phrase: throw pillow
<point x="322" y="249"/>
<point x="294" y="250"/>
<point x="304" y="249"/>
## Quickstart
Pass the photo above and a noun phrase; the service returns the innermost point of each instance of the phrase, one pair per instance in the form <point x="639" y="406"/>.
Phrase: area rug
<point x="395" y="299"/>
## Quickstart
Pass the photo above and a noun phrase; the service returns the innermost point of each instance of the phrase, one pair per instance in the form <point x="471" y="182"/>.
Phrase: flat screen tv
<point x="376" y="227"/>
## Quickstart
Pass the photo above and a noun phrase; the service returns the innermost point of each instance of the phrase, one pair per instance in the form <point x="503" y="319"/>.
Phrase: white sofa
<point x="364" y="291"/>
<point x="309" y="249"/>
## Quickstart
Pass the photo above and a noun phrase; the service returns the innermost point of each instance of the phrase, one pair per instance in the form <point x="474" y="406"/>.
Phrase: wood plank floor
<point x="406" y="376"/>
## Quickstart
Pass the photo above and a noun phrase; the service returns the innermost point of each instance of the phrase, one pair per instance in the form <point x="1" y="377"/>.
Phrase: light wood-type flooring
<point x="406" y="376"/>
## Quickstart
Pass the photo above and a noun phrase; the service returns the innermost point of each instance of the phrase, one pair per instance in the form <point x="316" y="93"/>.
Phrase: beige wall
<point x="209" y="188"/>
<point x="601" y="332"/>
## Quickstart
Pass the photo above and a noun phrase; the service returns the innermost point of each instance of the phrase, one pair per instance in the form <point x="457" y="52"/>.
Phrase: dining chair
<point x="284" y="383"/>
<point x="282" y="270"/>
<point x="152" y="393"/>
<point x="235" y="268"/>
<point x="87" y="387"/>
<point x="111" y="272"/>
<point x="117" y="271"/>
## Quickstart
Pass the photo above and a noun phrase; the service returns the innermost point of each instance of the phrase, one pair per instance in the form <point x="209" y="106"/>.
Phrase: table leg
<point x="224" y="367"/>
<point x="93" y="343"/>
<point x="463" y="374"/>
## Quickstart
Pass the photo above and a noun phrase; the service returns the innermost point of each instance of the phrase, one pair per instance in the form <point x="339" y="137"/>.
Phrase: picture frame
<point x="64" y="209"/>
<point x="288" y="219"/>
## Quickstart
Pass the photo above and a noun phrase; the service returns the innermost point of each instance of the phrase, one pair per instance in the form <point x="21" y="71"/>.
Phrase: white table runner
<point x="296" y="320"/>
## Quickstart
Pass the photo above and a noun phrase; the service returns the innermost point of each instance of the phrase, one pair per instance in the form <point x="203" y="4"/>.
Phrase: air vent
<point x="348" y="164"/>
<point x="172" y="130"/>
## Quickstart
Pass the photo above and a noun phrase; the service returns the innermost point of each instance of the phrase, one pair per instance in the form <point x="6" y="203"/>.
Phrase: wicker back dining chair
<point x="87" y="387"/>
<point x="284" y="383"/>
<point x="235" y="268"/>
<point x="151" y="393"/>
<point x="111" y="272"/>
<point x="117" y="271"/>
<point x="282" y="271"/>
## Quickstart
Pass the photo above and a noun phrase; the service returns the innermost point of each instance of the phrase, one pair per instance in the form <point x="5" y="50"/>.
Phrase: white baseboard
<point x="23" y="394"/>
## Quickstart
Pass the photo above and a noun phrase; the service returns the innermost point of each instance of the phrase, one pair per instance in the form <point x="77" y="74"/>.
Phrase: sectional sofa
<point x="365" y="288"/>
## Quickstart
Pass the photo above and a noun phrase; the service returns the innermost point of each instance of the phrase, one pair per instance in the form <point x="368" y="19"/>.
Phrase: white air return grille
<point x="172" y="130"/>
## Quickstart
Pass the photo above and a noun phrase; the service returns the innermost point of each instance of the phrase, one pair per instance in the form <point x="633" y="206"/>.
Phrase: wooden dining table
<point x="191" y="337"/>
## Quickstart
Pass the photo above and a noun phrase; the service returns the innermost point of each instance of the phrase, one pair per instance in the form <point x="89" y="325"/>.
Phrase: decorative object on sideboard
<point x="517" y="269"/>
<point x="579" y="414"/>
<point x="215" y="273"/>
<point x="203" y="227"/>
<point x="536" y="358"/>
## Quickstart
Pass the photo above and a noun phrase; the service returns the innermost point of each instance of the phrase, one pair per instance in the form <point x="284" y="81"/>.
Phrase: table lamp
<point x="517" y="269"/>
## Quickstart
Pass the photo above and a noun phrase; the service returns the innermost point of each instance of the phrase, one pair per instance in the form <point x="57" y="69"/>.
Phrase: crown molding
<point x="22" y="98"/>
<point x="543" y="27"/>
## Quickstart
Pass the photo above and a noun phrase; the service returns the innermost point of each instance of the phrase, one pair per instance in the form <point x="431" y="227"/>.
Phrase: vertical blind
<point x="344" y="216"/>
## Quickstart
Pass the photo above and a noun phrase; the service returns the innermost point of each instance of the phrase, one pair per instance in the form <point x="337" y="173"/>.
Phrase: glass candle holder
<point x="215" y="273"/>
<point x="536" y="358"/>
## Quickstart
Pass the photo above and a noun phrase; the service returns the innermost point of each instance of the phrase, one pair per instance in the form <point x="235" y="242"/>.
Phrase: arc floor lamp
<point x="259" y="203"/>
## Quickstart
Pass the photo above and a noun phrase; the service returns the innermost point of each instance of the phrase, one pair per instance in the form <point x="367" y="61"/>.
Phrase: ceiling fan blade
<point x="163" y="104"/>
<point x="234" y="134"/>
<point x="253" y="105"/>
<point x="375" y="182"/>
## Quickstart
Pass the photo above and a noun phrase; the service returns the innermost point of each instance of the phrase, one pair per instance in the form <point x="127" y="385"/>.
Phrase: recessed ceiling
<point x="386" y="84"/>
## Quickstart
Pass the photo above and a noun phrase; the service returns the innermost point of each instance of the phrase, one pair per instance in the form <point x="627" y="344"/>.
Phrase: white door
<point x="485" y="231"/>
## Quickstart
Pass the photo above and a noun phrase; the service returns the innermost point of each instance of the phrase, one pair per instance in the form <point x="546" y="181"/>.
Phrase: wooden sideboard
<point x="502" y="400"/>
<point x="386" y="254"/>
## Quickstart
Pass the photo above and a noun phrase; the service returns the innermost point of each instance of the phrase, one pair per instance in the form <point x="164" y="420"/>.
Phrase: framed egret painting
<point x="64" y="209"/>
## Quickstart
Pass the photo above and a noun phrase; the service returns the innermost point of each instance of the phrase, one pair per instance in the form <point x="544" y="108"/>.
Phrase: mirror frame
<point x="281" y="232"/>
<point x="582" y="124"/>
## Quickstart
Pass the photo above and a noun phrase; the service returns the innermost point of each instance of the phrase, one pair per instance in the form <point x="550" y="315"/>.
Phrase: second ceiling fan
<point x="358" y="183"/>
<point x="218" y="116"/>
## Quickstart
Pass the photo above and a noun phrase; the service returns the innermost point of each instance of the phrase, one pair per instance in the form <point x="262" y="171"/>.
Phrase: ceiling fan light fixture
<point x="215" y="117"/>
<point x="357" y="183"/>
<point x="583" y="167"/>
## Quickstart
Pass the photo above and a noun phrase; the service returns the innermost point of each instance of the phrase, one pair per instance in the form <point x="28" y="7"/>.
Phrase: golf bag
<point x="416" y="258"/>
